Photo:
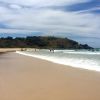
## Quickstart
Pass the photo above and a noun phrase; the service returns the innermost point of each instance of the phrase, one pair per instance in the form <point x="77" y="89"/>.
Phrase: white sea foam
<point x="91" y="53"/>
<point x="82" y="62"/>
<point x="79" y="52"/>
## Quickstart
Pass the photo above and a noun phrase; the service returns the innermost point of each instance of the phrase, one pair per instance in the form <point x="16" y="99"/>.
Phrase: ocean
<point x="79" y="59"/>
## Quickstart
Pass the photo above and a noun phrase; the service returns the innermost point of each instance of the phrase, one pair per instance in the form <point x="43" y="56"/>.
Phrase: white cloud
<point x="51" y="21"/>
<point x="55" y="21"/>
<point x="14" y="31"/>
<point x="44" y="2"/>
<point x="48" y="21"/>
<point x="89" y="10"/>
<point x="14" y="6"/>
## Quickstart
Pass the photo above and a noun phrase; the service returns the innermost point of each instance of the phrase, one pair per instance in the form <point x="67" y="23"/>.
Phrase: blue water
<point x="80" y="59"/>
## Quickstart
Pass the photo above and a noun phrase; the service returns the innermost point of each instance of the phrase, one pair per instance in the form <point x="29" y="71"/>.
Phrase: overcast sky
<point x="76" y="19"/>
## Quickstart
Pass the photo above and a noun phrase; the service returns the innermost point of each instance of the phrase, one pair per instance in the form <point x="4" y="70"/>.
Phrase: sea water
<point x="80" y="59"/>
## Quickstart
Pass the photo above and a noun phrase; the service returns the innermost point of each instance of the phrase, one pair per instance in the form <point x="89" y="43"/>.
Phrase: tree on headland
<point x="48" y="42"/>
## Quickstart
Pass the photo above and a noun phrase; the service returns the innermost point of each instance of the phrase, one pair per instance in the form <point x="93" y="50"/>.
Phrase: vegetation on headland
<point x="41" y="42"/>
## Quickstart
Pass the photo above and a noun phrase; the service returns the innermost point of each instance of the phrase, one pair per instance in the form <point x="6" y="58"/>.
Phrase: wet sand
<point x="27" y="78"/>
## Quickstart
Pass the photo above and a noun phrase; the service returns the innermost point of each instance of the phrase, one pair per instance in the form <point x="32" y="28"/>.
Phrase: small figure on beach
<point x="52" y="50"/>
<point x="23" y="49"/>
<point x="35" y="50"/>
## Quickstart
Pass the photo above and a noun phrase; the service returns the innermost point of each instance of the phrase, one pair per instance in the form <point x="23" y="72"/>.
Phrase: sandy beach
<point x="27" y="78"/>
<point x="9" y="49"/>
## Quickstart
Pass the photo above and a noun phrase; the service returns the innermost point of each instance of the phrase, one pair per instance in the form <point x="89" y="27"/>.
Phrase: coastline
<point x="55" y="60"/>
<point x="27" y="78"/>
<point x="4" y="50"/>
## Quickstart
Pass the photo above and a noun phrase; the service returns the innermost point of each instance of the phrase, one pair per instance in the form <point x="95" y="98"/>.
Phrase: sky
<point x="76" y="19"/>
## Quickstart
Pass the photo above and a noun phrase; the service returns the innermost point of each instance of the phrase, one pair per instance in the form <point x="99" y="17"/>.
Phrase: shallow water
<point x="81" y="59"/>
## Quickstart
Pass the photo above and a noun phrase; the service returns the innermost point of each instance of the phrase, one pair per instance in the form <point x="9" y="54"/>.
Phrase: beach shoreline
<point x="51" y="58"/>
<point x="4" y="50"/>
<point x="29" y="78"/>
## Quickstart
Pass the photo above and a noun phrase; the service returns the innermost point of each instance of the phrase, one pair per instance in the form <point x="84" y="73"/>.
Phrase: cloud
<point x="14" y="31"/>
<point x="43" y="2"/>
<point x="38" y="16"/>
<point x="14" y="6"/>
<point x="89" y="10"/>
<point x="49" y="21"/>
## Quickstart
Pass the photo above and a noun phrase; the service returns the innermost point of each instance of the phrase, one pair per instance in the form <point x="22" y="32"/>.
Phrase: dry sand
<point x="27" y="78"/>
<point x="9" y="49"/>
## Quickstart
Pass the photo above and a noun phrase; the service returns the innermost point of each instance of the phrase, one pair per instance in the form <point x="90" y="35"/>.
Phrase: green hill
<point x="41" y="42"/>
